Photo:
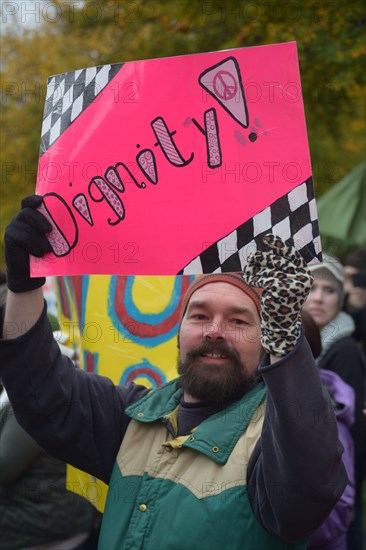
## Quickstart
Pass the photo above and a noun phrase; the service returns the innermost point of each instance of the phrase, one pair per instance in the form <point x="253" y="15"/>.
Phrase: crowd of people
<point x="217" y="458"/>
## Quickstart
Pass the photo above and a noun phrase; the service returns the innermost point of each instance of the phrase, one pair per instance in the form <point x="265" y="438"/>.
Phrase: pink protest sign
<point x="176" y="165"/>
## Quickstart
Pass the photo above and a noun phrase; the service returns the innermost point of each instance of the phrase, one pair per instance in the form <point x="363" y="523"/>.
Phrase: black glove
<point x="26" y="235"/>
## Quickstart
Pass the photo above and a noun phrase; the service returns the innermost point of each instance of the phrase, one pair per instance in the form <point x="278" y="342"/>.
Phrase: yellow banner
<point x="124" y="328"/>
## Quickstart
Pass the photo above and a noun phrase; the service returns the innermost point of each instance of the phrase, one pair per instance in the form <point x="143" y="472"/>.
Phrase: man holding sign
<point x="240" y="451"/>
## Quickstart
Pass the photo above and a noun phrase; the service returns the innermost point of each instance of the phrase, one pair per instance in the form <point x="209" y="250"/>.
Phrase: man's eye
<point x="199" y="316"/>
<point x="238" y="322"/>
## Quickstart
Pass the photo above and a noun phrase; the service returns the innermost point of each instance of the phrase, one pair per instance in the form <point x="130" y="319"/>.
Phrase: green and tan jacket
<point x="240" y="480"/>
<point x="190" y="491"/>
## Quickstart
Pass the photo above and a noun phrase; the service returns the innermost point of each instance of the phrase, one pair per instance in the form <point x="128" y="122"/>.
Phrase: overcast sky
<point x="32" y="12"/>
<point x="22" y="11"/>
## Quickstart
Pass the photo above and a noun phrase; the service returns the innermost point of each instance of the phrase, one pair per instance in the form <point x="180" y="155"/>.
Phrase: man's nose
<point x="214" y="331"/>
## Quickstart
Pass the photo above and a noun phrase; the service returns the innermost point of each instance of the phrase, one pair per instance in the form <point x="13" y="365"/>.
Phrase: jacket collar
<point x="217" y="435"/>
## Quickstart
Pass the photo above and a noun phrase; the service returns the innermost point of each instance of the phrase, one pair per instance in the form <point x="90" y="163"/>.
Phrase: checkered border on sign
<point x="293" y="217"/>
<point x="68" y="95"/>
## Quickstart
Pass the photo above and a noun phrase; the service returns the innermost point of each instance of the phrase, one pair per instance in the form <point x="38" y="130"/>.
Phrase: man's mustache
<point x="219" y="347"/>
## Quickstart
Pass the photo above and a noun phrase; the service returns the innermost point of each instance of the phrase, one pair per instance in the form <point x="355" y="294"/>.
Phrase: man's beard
<point x="215" y="383"/>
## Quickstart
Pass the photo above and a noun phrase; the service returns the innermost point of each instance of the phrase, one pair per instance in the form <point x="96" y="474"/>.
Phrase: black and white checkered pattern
<point x="68" y="95"/>
<point x="293" y="217"/>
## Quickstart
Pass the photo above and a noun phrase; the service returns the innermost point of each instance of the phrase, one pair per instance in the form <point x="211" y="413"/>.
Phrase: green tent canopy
<point x="342" y="214"/>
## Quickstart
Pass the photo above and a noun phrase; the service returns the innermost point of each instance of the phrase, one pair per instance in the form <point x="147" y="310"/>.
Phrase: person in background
<point x="340" y="353"/>
<point x="355" y="290"/>
<point x="37" y="512"/>
<point x="355" y="305"/>
<point x="36" y="509"/>
<point x="332" y="534"/>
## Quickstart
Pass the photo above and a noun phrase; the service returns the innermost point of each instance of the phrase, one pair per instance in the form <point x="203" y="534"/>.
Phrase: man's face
<point x="220" y="347"/>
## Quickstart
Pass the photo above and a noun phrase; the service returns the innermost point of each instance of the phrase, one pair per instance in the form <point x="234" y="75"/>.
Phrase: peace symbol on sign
<point x="225" y="85"/>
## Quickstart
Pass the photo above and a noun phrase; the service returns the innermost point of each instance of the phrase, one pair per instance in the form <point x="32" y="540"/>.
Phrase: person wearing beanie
<point x="340" y="353"/>
<point x="332" y="534"/>
<point x="227" y="455"/>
